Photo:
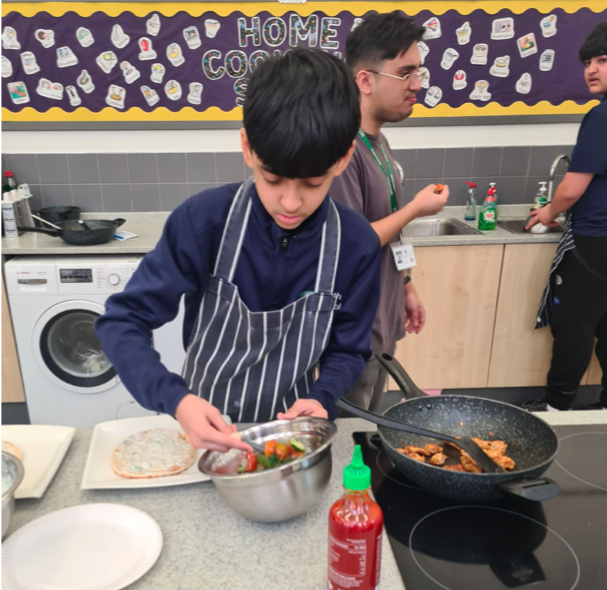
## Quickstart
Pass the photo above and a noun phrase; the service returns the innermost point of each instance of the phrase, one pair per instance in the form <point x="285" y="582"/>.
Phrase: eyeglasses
<point x="406" y="78"/>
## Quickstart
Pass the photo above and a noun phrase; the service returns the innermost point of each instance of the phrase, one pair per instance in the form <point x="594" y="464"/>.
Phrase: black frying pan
<point x="533" y="444"/>
<point x="99" y="231"/>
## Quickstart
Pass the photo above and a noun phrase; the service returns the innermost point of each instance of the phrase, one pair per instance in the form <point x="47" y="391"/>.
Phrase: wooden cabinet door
<point x="520" y="355"/>
<point x="12" y="384"/>
<point x="458" y="286"/>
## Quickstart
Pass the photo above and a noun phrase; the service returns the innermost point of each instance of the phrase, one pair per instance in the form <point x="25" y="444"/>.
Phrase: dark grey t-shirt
<point x="364" y="188"/>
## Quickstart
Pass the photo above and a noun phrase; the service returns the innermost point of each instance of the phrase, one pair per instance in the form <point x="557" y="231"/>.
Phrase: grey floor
<point x="16" y="413"/>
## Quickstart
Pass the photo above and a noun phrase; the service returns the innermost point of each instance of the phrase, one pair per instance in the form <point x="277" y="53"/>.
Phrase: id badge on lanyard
<point x="403" y="254"/>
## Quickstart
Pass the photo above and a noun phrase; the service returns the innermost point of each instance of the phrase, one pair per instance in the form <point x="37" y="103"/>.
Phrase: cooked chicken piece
<point x="418" y="450"/>
<point x="497" y="446"/>
<point x="458" y="467"/>
<point x="412" y="454"/>
<point x="503" y="461"/>
<point x="433" y="449"/>
<point x="469" y="463"/>
<point x="438" y="459"/>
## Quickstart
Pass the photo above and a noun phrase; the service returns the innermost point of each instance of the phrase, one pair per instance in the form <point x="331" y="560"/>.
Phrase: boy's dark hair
<point x="595" y="44"/>
<point x="380" y="37"/>
<point x="301" y="112"/>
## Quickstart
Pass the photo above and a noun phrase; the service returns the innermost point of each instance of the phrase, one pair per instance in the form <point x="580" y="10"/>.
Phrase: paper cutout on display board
<point x="523" y="84"/>
<point x="9" y="39"/>
<point x="500" y="67"/>
<point x="433" y="29"/>
<point x="424" y="77"/>
<point x="73" y="96"/>
<point x="85" y="37"/>
<point x="548" y="26"/>
<point x="449" y="58"/>
<point x="527" y="45"/>
<point x="85" y="82"/>
<point x="50" y="89"/>
<point x="502" y="28"/>
<point x="150" y="95"/>
<point x="213" y="47"/>
<point x="28" y="62"/>
<point x="547" y="60"/>
<point x="7" y="67"/>
<point x="433" y="96"/>
<point x="46" y="37"/>
<point x="481" y="91"/>
<point x="424" y="50"/>
<point x="145" y="49"/>
<point x="460" y="80"/>
<point x="116" y="95"/>
<point x="464" y="33"/>
<point x="18" y="92"/>
<point x="480" y="54"/>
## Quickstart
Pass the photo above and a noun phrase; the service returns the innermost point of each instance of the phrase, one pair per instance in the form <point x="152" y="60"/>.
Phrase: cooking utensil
<point x="533" y="444"/>
<point x="282" y="492"/>
<point x="12" y="474"/>
<point x="485" y="462"/>
<point x="84" y="224"/>
<point x="99" y="231"/>
<point x="45" y="221"/>
<point x="57" y="214"/>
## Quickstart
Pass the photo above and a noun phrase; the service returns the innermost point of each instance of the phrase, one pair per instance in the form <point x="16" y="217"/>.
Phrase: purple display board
<point x="156" y="61"/>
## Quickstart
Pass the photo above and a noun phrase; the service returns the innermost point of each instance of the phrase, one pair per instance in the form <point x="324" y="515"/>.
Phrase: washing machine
<point x="54" y="302"/>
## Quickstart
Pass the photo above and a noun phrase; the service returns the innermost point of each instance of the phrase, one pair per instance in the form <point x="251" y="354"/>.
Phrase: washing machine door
<point x="68" y="350"/>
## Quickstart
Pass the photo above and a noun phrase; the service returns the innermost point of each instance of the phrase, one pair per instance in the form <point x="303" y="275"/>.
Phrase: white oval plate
<point x="89" y="547"/>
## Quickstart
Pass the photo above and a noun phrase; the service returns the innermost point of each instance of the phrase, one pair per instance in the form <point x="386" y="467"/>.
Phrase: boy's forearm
<point x="388" y="227"/>
<point x="569" y="192"/>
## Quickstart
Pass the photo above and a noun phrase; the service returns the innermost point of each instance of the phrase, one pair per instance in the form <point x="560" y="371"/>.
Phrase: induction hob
<point x="561" y="544"/>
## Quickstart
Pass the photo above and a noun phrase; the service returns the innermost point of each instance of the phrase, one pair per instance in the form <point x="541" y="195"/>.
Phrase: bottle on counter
<point x="470" y="214"/>
<point x="10" y="184"/>
<point x="487" y="218"/>
<point x="355" y="532"/>
<point x="541" y="198"/>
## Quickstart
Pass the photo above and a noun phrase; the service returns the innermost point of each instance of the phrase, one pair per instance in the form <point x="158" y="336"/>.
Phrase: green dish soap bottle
<point x="487" y="218"/>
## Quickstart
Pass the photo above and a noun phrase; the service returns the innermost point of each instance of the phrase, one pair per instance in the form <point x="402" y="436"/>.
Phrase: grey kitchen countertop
<point x="207" y="545"/>
<point x="148" y="226"/>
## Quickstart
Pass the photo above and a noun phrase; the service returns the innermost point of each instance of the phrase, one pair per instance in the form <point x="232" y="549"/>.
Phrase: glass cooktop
<point x="560" y="544"/>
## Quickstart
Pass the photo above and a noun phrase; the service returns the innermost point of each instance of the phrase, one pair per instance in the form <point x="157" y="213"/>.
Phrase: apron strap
<point x="233" y="233"/>
<point x="329" y="251"/>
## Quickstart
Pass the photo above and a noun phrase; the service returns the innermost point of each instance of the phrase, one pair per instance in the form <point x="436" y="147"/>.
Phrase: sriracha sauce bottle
<point x="355" y="532"/>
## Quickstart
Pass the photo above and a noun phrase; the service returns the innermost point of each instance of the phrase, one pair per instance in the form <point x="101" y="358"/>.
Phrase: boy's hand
<point x="304" y="407"/>
<point x="415" y="314"/>
<point x="204" y="426"/>
<point x="430" y="202"/>
<point x="543" y="216"/>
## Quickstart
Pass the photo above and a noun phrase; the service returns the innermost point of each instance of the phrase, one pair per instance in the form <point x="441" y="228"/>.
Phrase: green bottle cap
<point x="357" y="476"/>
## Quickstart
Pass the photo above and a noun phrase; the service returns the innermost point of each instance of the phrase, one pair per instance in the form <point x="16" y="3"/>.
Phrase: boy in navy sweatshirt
<point x="278" y="279"/>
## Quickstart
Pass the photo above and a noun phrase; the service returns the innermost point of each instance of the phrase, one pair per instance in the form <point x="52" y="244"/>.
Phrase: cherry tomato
<point x="282" y="451"/>
<point x="270" y="448"/>
<point x="296" y="454"/>
<point x="251" y="462"/>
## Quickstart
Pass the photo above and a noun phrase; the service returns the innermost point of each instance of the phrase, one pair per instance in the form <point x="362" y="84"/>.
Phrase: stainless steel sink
<point x="423" y="228"/>
<point x="517" y="226"/>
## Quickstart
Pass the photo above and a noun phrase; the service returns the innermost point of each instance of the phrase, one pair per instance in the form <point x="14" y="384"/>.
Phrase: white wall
<point x="102" y="142"/>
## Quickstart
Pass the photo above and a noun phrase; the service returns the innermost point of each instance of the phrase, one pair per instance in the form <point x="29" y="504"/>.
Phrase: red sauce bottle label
<point x="355" y="537"/>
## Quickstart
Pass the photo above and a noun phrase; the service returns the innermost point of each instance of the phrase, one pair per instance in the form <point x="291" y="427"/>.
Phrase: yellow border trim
<point x="278" y="9"/>
<point x="215" y="114"/>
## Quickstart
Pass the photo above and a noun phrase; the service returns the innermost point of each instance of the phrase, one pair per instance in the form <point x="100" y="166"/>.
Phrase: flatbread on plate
<point x="14" y="450"/>
<point x="158" y="452"/>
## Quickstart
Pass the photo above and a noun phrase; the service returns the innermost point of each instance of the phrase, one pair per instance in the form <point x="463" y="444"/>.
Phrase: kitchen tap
<point x="553" y="172"/>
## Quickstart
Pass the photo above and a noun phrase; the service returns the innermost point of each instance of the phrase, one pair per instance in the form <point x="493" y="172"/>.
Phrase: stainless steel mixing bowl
<point x="283" y="492"/>
<point x="12" y="471"/>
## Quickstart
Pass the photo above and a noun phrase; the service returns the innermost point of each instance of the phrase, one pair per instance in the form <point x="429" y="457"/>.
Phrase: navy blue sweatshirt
<point x="268" y="278"/>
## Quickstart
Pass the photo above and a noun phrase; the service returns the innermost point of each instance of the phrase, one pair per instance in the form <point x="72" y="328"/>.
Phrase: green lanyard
<point x="390" y="176"/>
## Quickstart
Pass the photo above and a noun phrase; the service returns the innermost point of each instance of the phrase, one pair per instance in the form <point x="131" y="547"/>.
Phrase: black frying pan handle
<point x="398" y="373"/>
<point x="54" y="233"/>
<point x="344" y="404"/>
<point x="119" y="221"/>
<point x="537" y="490"/>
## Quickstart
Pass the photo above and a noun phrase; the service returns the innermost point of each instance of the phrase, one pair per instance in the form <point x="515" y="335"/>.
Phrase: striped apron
<point x="252" y="365"/>
<point x="567" y="243"/>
